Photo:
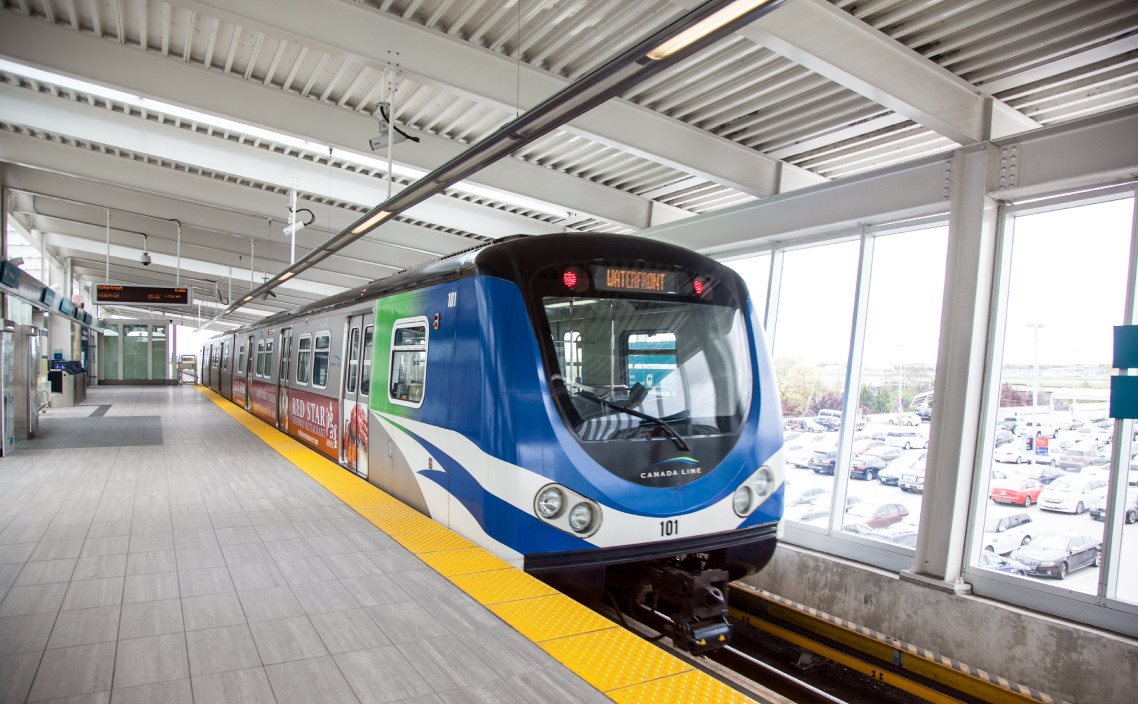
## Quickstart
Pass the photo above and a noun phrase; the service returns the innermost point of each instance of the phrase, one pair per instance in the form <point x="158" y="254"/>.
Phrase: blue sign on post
<point x="1124" y="389"/>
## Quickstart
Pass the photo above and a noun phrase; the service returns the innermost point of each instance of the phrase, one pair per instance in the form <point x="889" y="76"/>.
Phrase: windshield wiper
<point x="675" y="437"/>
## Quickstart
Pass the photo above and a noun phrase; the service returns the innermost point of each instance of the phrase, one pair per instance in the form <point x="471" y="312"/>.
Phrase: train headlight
<point x="550" y="502"/>
<point x="764" y="481"/>
<point x="581" y="517"/>
<point x="742" y="500"/>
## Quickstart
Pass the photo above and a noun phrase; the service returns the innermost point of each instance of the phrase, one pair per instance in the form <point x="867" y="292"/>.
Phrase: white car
<point x="906" y="439"/>
<point x="1072" y="494"/>
<point x="1016" y="453"/>
<point x="905" y="419"/>
<point x="1006" y="532"/>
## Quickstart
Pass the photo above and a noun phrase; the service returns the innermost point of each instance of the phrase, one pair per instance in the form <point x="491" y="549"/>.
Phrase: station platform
<point x="159" y="544"/>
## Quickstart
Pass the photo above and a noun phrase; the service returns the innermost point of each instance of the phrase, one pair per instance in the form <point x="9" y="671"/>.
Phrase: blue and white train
<point x="597" y="406"/>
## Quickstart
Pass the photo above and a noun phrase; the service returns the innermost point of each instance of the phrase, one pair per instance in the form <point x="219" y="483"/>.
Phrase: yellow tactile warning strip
<point x="628" y="669"/>
<point x="938" y="668"/>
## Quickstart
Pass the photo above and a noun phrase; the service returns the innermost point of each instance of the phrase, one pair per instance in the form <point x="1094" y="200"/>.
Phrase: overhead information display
<point x="606" y="278"/>
<point x="153" y="295"/>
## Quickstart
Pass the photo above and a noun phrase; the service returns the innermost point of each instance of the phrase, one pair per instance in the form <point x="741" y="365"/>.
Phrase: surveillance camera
<point x="379" y="141"/>
<point x="290" y="230"/>
<point x="145" y="259"/>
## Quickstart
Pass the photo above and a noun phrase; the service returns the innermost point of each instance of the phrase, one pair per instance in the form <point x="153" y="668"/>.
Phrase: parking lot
<point x="804" y="481"/>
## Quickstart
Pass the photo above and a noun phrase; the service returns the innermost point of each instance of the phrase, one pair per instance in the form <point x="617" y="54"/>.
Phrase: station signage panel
<point x="152" y="295"/>
<point x="608" y="278"/>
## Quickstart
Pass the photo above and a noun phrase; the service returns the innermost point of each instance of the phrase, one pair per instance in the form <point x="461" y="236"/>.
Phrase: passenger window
<point x="241" y="359"/>
<point x="365" y="374"/>
<point x="408" y="362"/>
<point x="303" y="358"/>
<point x="320" y="361"/>
<point x="649" y="357"/>
<point x="268" y="359"/>
<point x="261" y="358"/>
<point x="353" y="360"/>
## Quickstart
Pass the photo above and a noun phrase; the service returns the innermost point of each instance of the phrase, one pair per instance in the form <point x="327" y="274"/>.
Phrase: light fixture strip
<point x="705" y="27"/>
<point x="610" y="79"/>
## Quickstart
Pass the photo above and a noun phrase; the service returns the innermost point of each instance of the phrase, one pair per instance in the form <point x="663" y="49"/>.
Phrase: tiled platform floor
<point x="210" y="569"/>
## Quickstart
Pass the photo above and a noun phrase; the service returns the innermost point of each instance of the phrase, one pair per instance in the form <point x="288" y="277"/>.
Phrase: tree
<point x="1011" y="396"/>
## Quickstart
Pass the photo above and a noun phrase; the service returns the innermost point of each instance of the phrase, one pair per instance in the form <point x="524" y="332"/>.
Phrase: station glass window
<point x="134" y="352"/>
<point x="110" y="352"/>
<point x="365" y="374"/>
<point x="408" y="362"/>
<point x="260" y="358"/>
<point x="303" y="358"/>
<point x="268" y="359"/>
<point x="353" y="360"/>
<point x="320" y="360"/>
<point x="1066" y="288"/>
<point x="756" y="271"/>
<point x="899" y="356"/>
<point x="811" y="352"/>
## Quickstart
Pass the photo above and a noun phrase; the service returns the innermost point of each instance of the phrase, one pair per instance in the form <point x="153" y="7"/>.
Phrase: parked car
<point x="808" y="496"/>
<point x="1071" y="494"/>
<point x="1129" y="507"/>
<point x="1024" y="492"/>
<point x="829" y="418"/>
<point x="799" y="451"/>
<point x="1057" y="554"/>
<point x="907" y="439"/>
<point x="899" y="534"/>
<point x="913" y="480"/>
<point x="1014" y="453"/>
<point x="1003" y="437"/>
<point x="803" y="425"/>
<point x="892" y="473"/>
<point x="1081" y="454"/>
<point x="925" y="414"/>
<point x="883" y="452"/>
<point x="822" y="461"/>
<point x="1006" y="532"/>
<point x="905" y="419"/>
<point x="1042" y="473"/>
<point x="876" y="516"/>
<point x="866" y="467"/>
<point x="992" y="561"/>
<point x="1036" y="428"/>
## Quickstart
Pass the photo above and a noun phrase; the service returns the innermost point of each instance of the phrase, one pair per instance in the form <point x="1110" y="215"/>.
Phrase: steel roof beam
<point x="375" y="39"/>
<point x="82" y="121"/>
<point x="84" y="56"/>
<point x="80" y="174"/>
<point x="835" y="44"/>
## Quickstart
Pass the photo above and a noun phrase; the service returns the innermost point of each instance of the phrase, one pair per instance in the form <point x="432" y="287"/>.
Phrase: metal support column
<point x="958" y="391"/>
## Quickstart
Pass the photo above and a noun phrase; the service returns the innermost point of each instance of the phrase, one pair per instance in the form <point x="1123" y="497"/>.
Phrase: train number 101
<point x="671" y="527"/>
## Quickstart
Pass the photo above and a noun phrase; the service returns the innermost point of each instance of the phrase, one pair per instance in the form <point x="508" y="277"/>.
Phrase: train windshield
<point x="681" y="367"/>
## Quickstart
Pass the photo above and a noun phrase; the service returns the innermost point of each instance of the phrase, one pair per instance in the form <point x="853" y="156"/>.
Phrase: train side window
<point x="241" y="360"/>
<point x="353" y="360"/>
<point x="260" y="358"/>
<point x="408" y="362"/>
<point x="365" y="373"/>
<point x="268" y="359"/>
<point x="320" y="360"/>
<point x="303" y="358"/>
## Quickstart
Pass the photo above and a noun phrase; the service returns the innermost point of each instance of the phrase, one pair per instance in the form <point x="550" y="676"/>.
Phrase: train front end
<point x="665" y="468"/>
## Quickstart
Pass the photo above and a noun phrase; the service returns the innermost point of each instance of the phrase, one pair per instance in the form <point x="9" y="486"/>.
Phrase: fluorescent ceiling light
<point x="287" y="275"/>
<point x="150" y="105"/>
<point x="704" y="27"/>
<point x="370" y="222"/>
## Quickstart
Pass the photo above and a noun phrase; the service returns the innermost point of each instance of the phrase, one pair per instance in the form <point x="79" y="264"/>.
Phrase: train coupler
<point x="697" y="601"/>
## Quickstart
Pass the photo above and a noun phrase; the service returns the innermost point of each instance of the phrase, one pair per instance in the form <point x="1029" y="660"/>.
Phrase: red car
<point x="1023" y="492"/>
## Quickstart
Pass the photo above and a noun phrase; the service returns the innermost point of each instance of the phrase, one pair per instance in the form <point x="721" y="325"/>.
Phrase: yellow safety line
<point x="628" y="669"/>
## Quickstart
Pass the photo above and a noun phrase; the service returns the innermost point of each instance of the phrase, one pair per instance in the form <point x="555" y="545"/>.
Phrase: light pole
<point x="1035" y="387"/>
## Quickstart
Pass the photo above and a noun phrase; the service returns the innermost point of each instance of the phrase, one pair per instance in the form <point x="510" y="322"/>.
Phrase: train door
<point x="216" y="370"/>
<point x="354" y="396"/>
<point x="283" y="377"/>
<point x="227" y="368"/>
<point x="246" y="373"/>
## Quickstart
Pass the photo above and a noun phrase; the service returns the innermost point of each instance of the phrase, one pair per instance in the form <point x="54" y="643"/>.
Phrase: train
<point x="592" y="408"/>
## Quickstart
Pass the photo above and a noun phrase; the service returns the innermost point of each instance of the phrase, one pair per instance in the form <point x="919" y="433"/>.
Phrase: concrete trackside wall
<point x="1066" y="660"/>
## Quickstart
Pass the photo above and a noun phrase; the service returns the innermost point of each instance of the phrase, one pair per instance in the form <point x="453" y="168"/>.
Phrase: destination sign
<point x="607" y="278"/>
<point x="153" y="295"/>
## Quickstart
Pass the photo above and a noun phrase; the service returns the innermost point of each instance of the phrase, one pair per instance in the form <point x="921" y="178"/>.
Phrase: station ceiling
<point x="209" y="112"/>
